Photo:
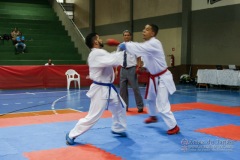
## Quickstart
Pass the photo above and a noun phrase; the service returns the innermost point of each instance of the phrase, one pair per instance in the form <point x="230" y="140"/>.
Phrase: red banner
<point x="39" y="76"/>
<point x="14" y="77"/>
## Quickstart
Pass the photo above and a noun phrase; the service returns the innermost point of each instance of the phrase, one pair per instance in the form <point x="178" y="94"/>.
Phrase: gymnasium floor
<point x="33" y="124"/>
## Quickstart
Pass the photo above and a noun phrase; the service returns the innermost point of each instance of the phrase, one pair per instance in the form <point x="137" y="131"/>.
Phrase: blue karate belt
<point x="110" y="85"/>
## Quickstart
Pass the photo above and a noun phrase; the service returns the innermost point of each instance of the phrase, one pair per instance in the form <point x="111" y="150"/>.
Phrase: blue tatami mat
<point x="144" y="141"/>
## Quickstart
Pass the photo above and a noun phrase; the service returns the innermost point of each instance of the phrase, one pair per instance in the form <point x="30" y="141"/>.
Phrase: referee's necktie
<point x="125" y="59"/>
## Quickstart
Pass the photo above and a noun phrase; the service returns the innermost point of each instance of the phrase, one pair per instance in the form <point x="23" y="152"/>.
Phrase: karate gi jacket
<point x="101" y="65"/>
<point x="153" y="56"/>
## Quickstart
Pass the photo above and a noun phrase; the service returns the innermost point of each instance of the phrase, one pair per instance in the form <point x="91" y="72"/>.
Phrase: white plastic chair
<point x="72" y="75"/>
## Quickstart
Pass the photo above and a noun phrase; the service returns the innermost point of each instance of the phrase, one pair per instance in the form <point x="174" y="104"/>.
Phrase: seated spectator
<point x="20" y="45"/>
<point x="14" y="35"/>
<point x="5" y="37"/>
<point x="49" y="63"/>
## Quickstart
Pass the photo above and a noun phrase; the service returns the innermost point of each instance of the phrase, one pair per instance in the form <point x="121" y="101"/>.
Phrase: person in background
<point x="128" y="75"/>
<point x="20" y="44"/>
<point x="14" y="34"/>
<point x="49" y="63"/>
<point x="1" y="38"/>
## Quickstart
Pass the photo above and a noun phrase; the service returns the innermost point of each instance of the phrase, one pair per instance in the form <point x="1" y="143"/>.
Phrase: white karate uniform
<point x="101" y="70"/>
<point x="153" y="56"/>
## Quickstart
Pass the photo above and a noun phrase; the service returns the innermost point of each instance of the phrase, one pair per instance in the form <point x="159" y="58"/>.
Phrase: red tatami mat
<point x="229" y="131"/>
<point x="5" y="122"/>
<point x="19" y="121"/>
<point x="88" y="152"/>
<point x="208" y="107"/>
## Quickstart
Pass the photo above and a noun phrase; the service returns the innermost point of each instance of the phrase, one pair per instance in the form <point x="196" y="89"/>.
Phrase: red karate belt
<point x="152" y="77"/>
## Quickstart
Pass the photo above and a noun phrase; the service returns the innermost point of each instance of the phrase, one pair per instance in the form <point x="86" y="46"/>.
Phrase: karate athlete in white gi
<point x="102" y="92"/>
<point x="160" y="82"/>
